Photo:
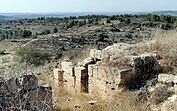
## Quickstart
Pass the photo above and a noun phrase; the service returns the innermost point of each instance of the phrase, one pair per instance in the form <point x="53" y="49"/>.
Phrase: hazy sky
<point x="86" y="5"/>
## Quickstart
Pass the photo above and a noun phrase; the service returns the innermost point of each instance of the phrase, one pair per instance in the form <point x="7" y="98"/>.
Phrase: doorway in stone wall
<point x="84" y="81"/>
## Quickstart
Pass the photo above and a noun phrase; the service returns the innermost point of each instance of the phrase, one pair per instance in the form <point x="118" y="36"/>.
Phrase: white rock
<point x="165" y="78"/>
<point x="172" y="98"/>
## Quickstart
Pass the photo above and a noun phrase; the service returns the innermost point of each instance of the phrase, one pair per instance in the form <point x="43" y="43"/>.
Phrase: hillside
<point x="170" y="12"/>
<point x="3" y="18"/>
<point x="87" y="63"/>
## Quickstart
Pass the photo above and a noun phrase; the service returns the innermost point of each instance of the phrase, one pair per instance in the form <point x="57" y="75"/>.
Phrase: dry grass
<point x="66" y="100"/>
<point x="166" y="46"/>
<point x="125" y="101"/>
<point x="82" y="55"/>
<point x="163" y="43"/>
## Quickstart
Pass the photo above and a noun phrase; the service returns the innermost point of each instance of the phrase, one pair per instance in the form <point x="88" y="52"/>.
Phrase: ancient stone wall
<point x="99" y="73"/>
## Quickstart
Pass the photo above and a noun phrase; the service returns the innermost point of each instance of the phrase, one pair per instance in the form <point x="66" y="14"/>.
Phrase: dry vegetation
<point x="164" y="43"/>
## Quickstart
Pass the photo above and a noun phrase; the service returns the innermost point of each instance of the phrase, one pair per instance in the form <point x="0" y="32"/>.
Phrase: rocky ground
<point x="73" y="41"/>
<point x="155" y="93"/>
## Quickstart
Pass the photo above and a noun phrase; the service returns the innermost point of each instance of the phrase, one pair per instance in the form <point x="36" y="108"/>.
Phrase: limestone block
<point x="69" y="81"/>
<point x="66" y="66"/>
<point x="97" y="86"/>
<point x="105" y="73"/>
<point x="143" y="59"/>
<point x="79" y="71"/>
<point x="114" y="52"/>
<point x="72" y="72"/>
<point x="96" y="54"/>
<point x="165" y="78"/>
<point x="105" y="57"/>
<point x="93" y="70"/>
<point x="175" y="79"/>
<point x="124" y="76"/>
<point x="58" y="75"/>
<point x="81" y="76"/>
<point x="92" y="53"/>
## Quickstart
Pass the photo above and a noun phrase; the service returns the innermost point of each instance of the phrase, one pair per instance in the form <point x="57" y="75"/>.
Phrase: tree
<point x="55" y="30"/>
<point x="127" y="21"/>
<point x="102" y="36"/>
<point x="47" y="31"/>
<point x="58" y="55"/>
<point x="166" y="26"/>
<point x="25" y="33"/>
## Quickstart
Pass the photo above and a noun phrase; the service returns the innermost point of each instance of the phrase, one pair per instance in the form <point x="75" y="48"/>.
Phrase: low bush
<point x="32" y="56"/>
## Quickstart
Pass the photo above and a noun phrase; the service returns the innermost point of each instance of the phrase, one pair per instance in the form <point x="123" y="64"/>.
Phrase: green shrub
<point x="102" y="36"/>
<point x="32" y="56"/>
<point x="58" y="55"/>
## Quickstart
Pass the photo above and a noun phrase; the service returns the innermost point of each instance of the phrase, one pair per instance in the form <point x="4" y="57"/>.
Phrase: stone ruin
<point x="102" y="72"/>
<point x="25" y="93"/>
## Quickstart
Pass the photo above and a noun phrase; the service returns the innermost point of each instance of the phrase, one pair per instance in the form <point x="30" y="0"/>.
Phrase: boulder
<point x="114" y="52"/>
<point x="28" y="82"/>
<point x="66" y="66"/>
<point x="33" y="94"/>
<point x="12" y="84"/>
<point x="39" y="99"/>
<point x="96" y="54"/>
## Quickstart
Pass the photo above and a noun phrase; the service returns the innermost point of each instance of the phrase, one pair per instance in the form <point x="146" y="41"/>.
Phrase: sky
<point x="46" y="6"/>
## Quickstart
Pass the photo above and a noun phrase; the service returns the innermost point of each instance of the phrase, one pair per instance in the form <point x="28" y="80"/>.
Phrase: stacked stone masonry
<point x="95" y="74"/>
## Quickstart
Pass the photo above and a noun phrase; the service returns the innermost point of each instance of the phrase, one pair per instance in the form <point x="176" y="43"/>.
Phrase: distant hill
<point x="170" y="12"/>
<point x="16" y="16"/>
<point x="3" y="18"/>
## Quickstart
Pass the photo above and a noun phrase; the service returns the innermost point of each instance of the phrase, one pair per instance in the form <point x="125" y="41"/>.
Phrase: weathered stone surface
<point x="111" y="68"/>
<point x="58" y="75"/>
<point x="165" y="78"/>
<point x="98" y="87"/>
<point x="81" y="74"/>
<point x="112" y="53"/>
<point x="175" y="79"/>
<point x="124" y="77"/>
<point x="66" y="66"/>
<point x="173" y="98"/>
<point x="170" y="104"/>
<point x="69" y="81"/>
<point x="96" y="54"/>
<point x="28" y="81"/>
